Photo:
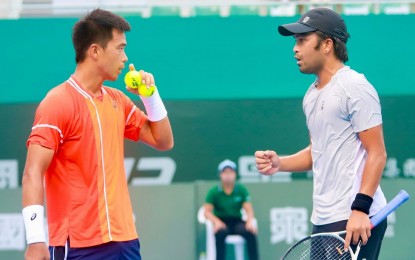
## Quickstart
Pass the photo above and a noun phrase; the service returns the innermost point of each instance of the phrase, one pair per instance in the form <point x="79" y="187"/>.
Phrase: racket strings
<point x="319" y="248"/>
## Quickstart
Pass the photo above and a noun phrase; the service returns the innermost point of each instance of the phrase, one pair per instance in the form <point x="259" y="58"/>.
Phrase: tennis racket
<point x="331" y="245"/>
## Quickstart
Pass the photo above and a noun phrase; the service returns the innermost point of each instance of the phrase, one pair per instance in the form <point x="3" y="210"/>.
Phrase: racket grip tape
<point x="399" y="199"/>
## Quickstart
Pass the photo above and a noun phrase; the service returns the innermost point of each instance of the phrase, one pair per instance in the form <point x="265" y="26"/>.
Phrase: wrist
<point x="33" y="217"/>
<point x="280" y="167"/>
<point x="362" y="203"/>
<point x="155" y="108"/>
<point x="217" y="220"/>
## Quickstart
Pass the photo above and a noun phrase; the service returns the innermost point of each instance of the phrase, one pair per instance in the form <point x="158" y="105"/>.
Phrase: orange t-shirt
<point x="86" y="187"/>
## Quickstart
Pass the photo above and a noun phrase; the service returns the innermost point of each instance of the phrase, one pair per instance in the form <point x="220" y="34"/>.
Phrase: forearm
<point x="33" y="210"/>
<point x="299" y="162"/>
<point x="162" y="134"/>
<point x="210" y="216"/>
<point x="32" y="189"/>
<point x="157" y="132"/>
<point x="372" y="172"/>
<point x="249" y="213"/>
<point x="37" y="161"/>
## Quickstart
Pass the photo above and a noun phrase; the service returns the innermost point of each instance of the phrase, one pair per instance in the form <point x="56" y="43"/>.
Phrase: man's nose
<point x="295" y="48"/>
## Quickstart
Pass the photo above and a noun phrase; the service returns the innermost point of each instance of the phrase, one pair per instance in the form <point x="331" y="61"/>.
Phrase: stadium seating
<point x="10" y="9"/>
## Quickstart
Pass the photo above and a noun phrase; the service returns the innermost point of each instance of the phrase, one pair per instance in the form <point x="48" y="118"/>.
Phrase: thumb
<point x="131" y="67"/>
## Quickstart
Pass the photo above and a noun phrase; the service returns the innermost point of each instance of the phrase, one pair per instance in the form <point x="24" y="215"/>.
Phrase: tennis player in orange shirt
<point x="76" y="151"/>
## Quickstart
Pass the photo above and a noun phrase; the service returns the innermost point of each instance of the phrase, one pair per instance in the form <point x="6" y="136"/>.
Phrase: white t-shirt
<point x="347" y="105"/>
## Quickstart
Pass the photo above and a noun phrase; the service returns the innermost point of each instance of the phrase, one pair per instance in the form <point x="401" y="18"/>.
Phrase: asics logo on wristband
<point x="33" y="221"/>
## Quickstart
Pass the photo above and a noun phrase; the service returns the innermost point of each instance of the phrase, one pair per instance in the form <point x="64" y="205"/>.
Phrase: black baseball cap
<point x="319" y="19"/>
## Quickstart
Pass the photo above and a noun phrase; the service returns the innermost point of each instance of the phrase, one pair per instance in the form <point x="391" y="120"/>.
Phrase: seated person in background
<point x="223" y="207"/>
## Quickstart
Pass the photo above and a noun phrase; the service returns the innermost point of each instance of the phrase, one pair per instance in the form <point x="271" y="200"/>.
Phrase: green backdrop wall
<point x="206" y="132"/>
<point x="231" y="87"/>
<point x="206" y="57"/>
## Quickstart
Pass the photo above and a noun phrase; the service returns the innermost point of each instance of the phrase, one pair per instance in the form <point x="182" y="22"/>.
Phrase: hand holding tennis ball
<point x="133" y="79"/>
<point x="136" y="84"/>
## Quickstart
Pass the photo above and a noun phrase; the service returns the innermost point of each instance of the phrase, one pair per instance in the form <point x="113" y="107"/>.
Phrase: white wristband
<point x="33" y="216"/>
<point x="154" y="107"/>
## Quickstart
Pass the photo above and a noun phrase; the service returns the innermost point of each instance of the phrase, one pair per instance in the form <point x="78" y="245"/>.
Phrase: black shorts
<point x="127" y="250"/>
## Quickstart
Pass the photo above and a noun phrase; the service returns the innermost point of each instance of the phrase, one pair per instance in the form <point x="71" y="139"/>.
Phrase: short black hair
<point x="96" y="27"/>
<point x="340" y="49"/>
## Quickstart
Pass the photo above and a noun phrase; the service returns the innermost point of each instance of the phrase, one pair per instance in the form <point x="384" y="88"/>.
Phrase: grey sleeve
<point x="363" y="106"/>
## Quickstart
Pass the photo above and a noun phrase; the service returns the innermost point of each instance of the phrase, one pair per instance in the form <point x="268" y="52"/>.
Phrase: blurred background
<point x="231" y="87"/>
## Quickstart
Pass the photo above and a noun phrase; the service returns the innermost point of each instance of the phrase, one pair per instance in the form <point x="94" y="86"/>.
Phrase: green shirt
<point x="225" y="205"/>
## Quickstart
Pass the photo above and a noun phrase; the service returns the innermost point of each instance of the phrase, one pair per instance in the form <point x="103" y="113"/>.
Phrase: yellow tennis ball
<point x="146" y="92"/>
<point x="133" y="79"/>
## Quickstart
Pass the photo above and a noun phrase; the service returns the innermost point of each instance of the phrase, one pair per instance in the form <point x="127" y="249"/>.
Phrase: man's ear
<point x="328" y="45"/>
<point x="94" y="51"/>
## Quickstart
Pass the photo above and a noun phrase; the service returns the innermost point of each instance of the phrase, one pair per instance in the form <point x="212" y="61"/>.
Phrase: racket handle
<point x="399" y="199"/>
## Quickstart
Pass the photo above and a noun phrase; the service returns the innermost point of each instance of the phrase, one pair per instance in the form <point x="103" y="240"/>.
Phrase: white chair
<point x="236" y="240"/>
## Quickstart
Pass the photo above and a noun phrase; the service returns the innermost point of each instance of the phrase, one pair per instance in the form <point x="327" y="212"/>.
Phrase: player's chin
<point x="305" y="70"/>
<point x="113" y="77"/>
